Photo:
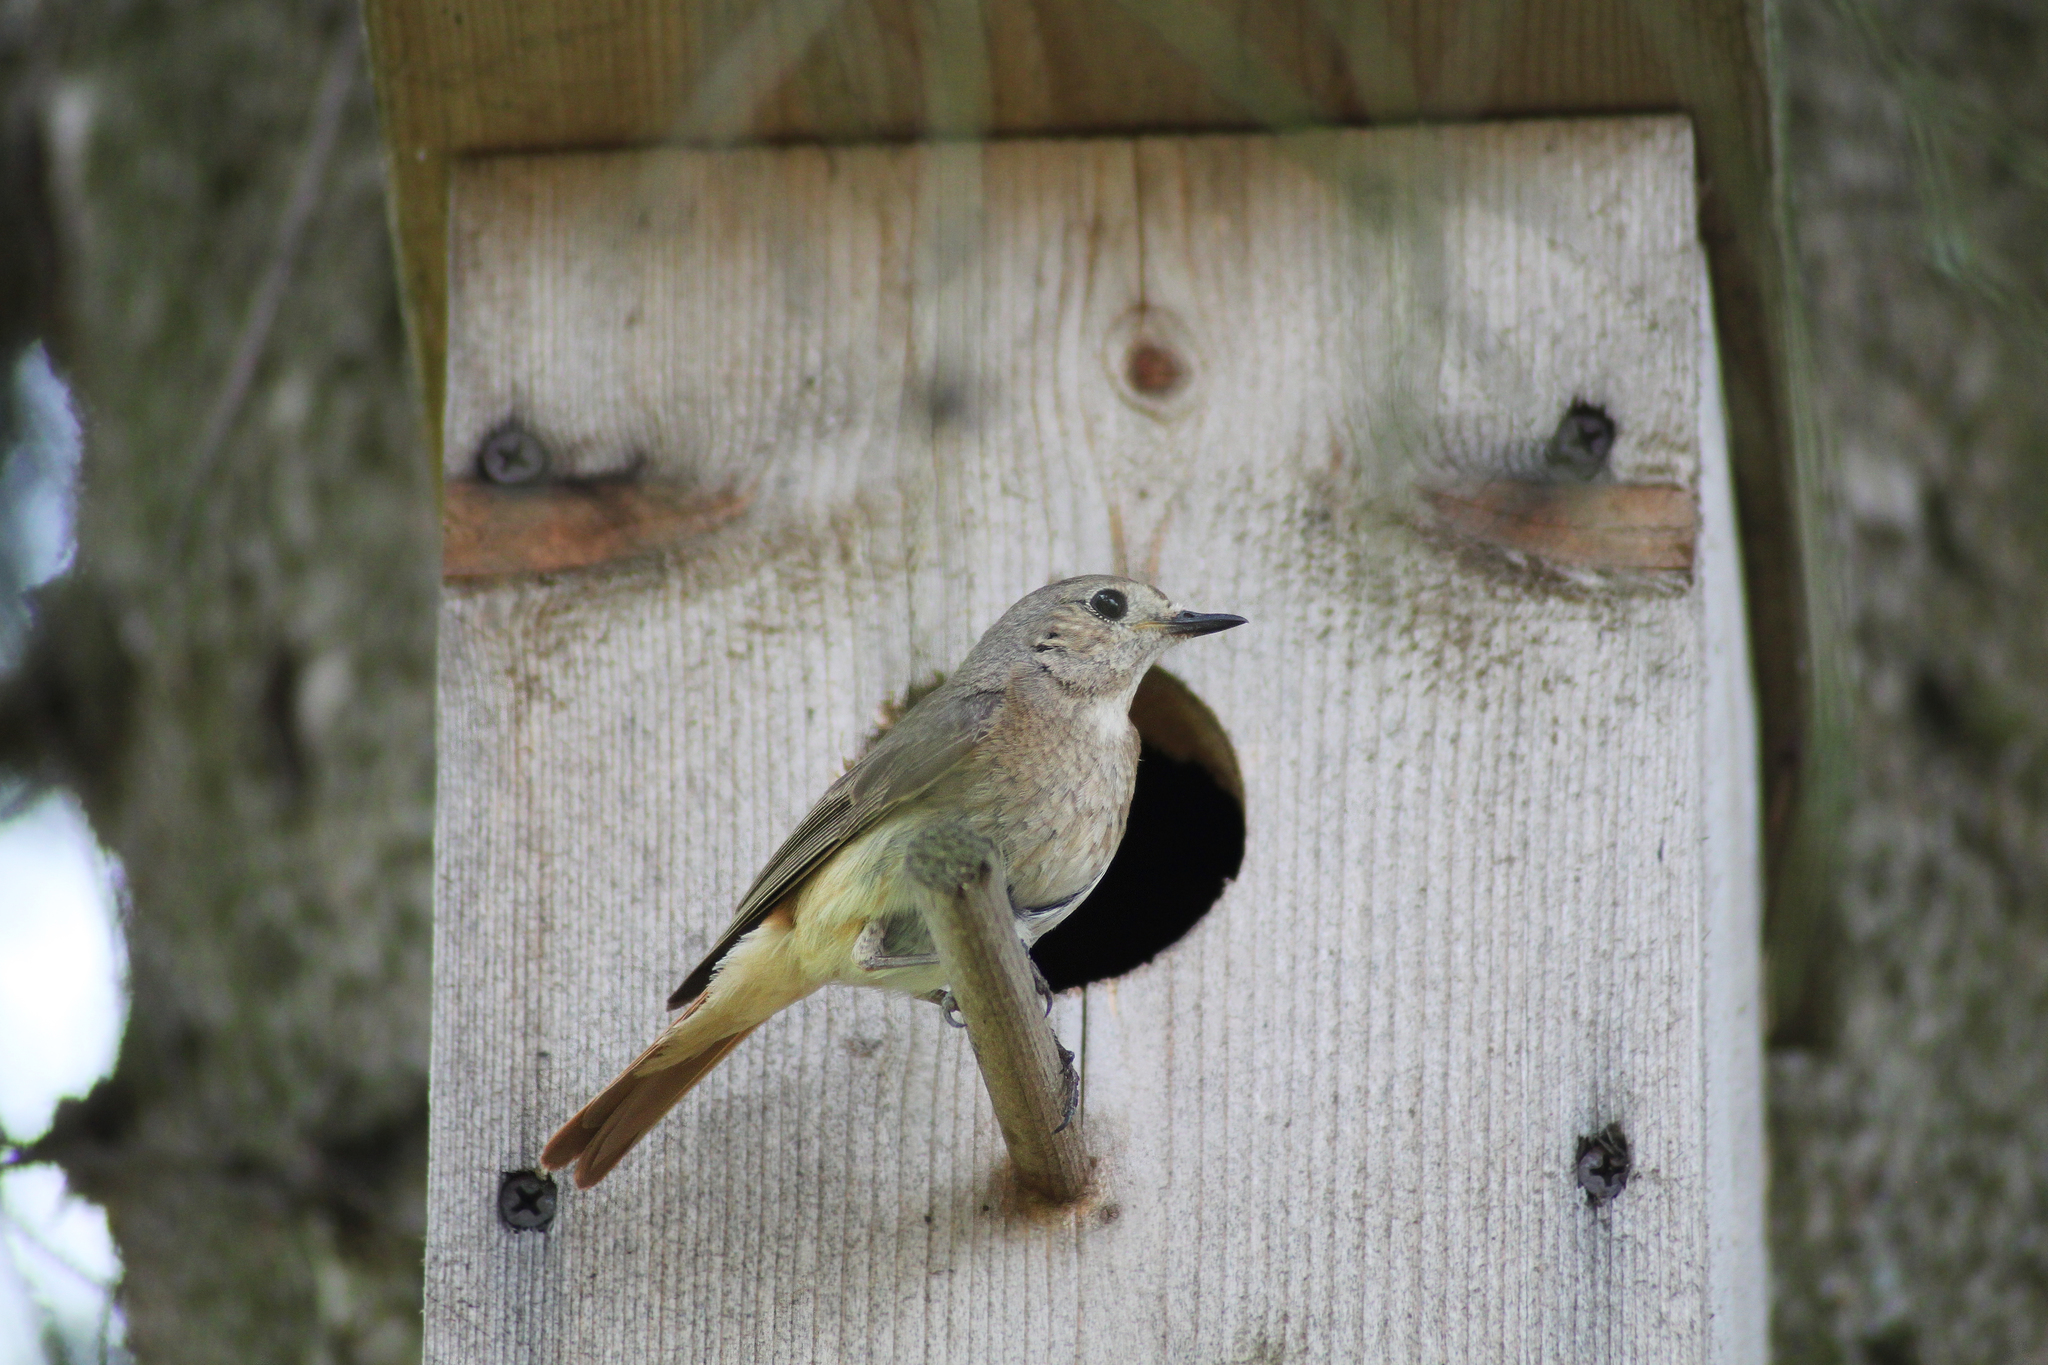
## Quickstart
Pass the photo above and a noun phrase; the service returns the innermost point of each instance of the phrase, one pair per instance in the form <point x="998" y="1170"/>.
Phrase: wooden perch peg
<point x="1030" y="1077"/>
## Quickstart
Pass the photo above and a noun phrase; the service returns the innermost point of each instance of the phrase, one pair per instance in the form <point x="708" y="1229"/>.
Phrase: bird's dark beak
<point x="1201" y="622"/>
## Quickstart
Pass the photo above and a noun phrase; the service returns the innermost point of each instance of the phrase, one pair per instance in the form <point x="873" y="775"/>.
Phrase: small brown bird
<point x="1028" y="744"/>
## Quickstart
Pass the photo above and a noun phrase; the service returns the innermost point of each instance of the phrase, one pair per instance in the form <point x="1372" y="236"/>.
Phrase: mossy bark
<point x="238" y="675"/>
<point x="1909" y="1189"/>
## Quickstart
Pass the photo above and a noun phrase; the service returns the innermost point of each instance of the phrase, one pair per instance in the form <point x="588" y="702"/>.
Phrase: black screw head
<point x="1604" y="1164"/>
<point x="511" y="455"/>
<point x="1577" y="451"/>
<point x="526" y="1201"/>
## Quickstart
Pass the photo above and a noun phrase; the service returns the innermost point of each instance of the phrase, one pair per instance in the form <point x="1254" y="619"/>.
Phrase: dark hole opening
<point x="1183" y="843"/>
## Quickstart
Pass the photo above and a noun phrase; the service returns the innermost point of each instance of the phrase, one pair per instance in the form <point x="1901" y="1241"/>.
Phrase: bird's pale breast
<point x="1051" y="793"/>
<point x="1049" y="789"/>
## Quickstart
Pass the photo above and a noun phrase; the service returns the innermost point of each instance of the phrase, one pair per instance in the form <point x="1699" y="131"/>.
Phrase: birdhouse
<point x="1417" y="1018"/>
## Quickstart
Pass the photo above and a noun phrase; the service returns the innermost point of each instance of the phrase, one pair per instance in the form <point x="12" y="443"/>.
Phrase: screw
<point x="511" y="455"/>
<point x="1577" y="451"/>
<point x="1604" y="1164"/>
<point x="1154" y="370"/>
<point x="526" y="1201"/>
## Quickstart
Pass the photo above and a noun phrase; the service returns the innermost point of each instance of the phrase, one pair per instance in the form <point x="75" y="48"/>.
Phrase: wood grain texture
<point x="1478" y="908"/>
<point x="496" y="76"/>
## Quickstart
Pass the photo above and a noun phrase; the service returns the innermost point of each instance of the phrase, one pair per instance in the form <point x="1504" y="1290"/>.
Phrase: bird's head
<point x="1097" y="634"/>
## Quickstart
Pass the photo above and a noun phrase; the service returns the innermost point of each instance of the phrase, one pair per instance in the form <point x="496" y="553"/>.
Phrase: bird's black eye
<point x="1109" y="604"/>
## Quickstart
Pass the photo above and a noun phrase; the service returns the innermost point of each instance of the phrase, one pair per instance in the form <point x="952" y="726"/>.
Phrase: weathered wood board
<point x="1499" y="882"/>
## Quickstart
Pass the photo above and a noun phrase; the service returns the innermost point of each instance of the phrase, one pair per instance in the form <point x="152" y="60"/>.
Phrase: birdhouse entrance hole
<point x="1183" y="843"/>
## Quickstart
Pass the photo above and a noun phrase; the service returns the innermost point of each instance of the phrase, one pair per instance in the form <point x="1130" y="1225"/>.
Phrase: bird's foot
<point x="1072" y="1086"/>
<point x="1038" y="980"/>
<point x="949" y="1008"/>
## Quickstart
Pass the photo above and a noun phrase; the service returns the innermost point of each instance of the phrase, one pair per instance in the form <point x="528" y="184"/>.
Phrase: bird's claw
<point x="1044" y="990"/>
<point x="1072" y="1086"/>
<point x="949" y="1008"/>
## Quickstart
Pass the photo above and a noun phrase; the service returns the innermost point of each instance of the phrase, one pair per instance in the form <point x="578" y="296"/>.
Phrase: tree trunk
<point x="238" y="674"/>
<point x="1908" y="1186"/>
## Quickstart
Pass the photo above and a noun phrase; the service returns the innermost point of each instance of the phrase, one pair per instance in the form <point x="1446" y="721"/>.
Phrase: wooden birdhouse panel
<point x="742" y="446"/>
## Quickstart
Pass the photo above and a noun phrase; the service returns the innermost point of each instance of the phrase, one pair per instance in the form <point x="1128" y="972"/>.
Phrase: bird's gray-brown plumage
<point x="1028" y="746"/>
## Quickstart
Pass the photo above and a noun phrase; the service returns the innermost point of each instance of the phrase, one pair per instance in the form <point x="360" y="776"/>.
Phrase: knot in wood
<point x="949" y="857"/>
<point x="1154" y="370"/>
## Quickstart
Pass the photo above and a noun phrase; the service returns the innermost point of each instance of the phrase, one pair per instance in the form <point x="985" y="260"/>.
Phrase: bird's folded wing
<point x="923" y="747"/>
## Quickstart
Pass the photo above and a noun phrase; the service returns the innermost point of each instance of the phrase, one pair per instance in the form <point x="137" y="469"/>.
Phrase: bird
<point x="1028" y="746"/>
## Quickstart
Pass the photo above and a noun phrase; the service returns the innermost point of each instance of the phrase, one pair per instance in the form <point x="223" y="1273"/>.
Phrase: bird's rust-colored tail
<point x="605" y="1129"/>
